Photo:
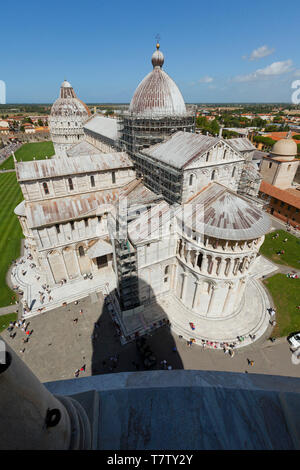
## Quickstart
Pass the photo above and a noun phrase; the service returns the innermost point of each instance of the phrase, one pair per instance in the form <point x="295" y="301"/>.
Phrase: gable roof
<point x="104" y="126"/>
<point x="83" y="148"/>
<point x="182" y="147"/>
<point x="241" y="144"/>
<point x="65" y="166"/>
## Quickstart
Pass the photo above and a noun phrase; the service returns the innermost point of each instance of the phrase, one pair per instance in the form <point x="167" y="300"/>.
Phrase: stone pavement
<point x="58" y="346"/>
<point x="30" y="280"/>
<point x="8" y="309"/>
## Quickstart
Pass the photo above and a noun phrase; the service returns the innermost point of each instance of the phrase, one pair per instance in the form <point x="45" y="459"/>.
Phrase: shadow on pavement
<point x="152" y="351"/>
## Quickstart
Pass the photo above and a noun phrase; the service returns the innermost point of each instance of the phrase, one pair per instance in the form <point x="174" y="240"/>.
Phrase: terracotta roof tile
<point x="290" y="196"/>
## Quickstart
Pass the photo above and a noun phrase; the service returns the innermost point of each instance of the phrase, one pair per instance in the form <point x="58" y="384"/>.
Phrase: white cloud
<point x="277" y="68"/>
<point x="260" y="52"/>
<point x="206" y="79"/>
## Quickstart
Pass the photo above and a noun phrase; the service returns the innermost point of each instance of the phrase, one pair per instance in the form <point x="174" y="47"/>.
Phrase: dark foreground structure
<point x="153" y="410"/>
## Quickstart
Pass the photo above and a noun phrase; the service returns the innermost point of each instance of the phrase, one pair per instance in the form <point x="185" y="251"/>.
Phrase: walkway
<point x="26" y="277"/>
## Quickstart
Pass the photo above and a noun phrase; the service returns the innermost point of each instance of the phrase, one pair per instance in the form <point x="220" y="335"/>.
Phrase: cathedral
<point x="167" y="219"/>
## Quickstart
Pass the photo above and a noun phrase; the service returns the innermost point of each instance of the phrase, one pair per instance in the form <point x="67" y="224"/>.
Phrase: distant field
<point x="291" y="248"/>
<point x="37" y="150"/>
<point x="10" y="231"/>
<point x="286" y="295"/>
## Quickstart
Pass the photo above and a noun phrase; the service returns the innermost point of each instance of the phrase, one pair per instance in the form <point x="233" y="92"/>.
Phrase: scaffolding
<point x="138" y="131"/>
<point x="250" y="180"/>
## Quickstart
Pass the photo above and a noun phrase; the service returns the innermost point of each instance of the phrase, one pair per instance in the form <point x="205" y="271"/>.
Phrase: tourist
<point x="170" y="367"/>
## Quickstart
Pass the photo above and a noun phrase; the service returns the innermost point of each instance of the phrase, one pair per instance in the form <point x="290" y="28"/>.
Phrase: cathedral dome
<point x="157" y="94"/>
<point x="68" y="105"/>
<point x="285" y="148"/>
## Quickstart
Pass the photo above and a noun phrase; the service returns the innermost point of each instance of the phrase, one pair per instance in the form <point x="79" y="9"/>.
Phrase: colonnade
<point x="213" y="264"/>
<point x="218" y="303"/>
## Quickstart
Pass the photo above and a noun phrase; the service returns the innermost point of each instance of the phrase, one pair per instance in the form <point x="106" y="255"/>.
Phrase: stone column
<point x="235" y="266"/>
<point x="77" y="261"/>
<point x="183" y="291"/>
<point x="196" y="259"/>
<point x="47" y="267"/>
<point x="196" y="295"/>
<point x="211" y="300"/>
<point x="64" y="263"/>
<point x="228" y="296"/>
<point x="31" y="417"/>
<point x="204" y="263"/>
<point x="221" y="267"/>
<point x="173" y="276"/>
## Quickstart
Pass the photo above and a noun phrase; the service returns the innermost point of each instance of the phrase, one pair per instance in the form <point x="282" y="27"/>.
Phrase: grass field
<point x="6" y="319"/>
<point x="39" y="150"/>
<point x="10" y="231"/>
<point x="286" y="296"/>
<point x="291" y="248"/>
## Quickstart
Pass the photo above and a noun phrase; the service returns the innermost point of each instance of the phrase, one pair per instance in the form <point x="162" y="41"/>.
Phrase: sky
<point x="215" y="51"/>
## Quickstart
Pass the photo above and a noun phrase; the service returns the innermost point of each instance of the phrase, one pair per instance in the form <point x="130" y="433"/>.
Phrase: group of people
<point x="77" y="371"/>
<point x="292" y="275"/>
<point x="22" y="326"/>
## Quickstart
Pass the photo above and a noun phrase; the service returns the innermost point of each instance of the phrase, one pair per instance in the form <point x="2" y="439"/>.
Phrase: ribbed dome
<point x="157" y="94"/>
<point x="68" y="104"/>
<point x="285" y="148"/>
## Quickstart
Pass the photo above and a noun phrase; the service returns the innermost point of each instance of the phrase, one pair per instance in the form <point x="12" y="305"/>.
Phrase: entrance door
<point x="101" y="261"/>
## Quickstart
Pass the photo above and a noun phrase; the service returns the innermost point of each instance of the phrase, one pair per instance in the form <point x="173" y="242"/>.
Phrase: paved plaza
<point x="58" y="346"/>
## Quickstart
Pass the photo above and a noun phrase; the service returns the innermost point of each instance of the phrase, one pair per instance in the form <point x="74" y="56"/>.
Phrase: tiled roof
<point x="39" y="169"/>
<point x="290" y="196"/>
<point x="280" y="135"/>
<point x="181" y="148"/>
<point x="105" y="126"/>
<point x="227" y="215"/>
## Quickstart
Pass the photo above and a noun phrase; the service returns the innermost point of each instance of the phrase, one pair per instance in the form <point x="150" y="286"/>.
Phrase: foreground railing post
<point x="31" y="417"/>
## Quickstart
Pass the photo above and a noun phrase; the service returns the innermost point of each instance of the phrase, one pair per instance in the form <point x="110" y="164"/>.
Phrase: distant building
<point x="278" y="170"/>
<point x="160" y="260"/>
<point x="68" y="114"/>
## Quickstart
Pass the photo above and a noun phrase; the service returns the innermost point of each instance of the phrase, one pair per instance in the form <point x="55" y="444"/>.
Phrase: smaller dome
<point x="285" y="148"/>
<point x="68" y="104"/>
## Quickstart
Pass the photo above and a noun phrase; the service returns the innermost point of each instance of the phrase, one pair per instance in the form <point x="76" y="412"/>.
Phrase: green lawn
<point x="39" y="150"/>
<point x="286" y="295"/>
<point x="6" y="319"/>
<point x="291" y="248"/>
<point x="10" y="231"/>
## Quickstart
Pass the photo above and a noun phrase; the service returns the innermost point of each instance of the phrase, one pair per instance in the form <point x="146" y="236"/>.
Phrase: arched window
<point x="224" y="154"/>
<point x="46" y="189"/>
<point x="191" y="180"/>
<point x="166" y="270"/>
<point x="213" y="175"/>
<point x="207" y="156"/>
<point x="71" y="187"/>
<point x="81" y="251"/>
<point x="233" y="171"/>
<point x="113" y="177"/>
<point x="92" y="181"/>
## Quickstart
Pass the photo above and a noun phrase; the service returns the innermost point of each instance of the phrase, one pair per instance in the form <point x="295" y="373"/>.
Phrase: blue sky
<point x="215" y="51"/>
